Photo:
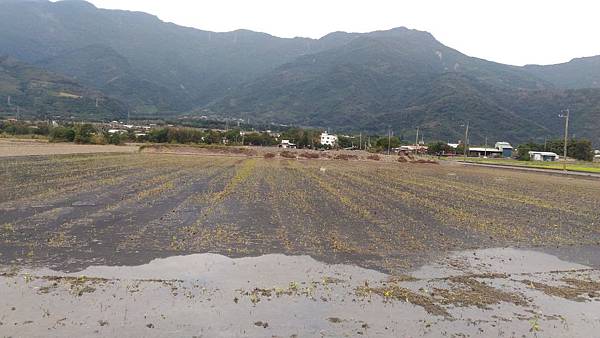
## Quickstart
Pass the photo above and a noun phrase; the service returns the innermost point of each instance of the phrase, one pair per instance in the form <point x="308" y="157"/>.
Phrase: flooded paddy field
<point x="162" y="244"/>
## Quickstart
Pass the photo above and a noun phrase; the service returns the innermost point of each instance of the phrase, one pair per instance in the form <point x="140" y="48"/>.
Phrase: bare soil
<point x="16" y="147"/>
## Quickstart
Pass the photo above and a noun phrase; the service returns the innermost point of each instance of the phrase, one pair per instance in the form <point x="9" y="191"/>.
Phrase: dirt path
<point x="16" y="148"/>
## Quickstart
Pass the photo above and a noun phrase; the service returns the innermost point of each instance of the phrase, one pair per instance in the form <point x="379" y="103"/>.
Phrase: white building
<point x="286" y="144"/>
<point x="543" y="156"/>
<point x="328" y="140"/>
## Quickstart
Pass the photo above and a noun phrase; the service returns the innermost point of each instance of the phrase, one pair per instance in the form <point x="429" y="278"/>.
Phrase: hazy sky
<point x="508" y="31"/>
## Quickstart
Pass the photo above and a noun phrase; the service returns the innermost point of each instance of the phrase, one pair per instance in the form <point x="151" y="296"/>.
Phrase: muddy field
<point x="70" y="212"/>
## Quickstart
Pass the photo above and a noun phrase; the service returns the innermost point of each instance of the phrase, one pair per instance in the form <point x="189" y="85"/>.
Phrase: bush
<point x="309" y="155"/>
<point x="374" y="157"/>
<point x="62" y="134"/>
<point x="439" y="148"/>
<point x="83" y="133"/>
<point x="117" y="139"/>
<point x="402" y="159"/>
<point x="287" y="154"/>
<point x="346" y="157"/>
<point x="100" y="139"/>
<point x="269" y="156"/>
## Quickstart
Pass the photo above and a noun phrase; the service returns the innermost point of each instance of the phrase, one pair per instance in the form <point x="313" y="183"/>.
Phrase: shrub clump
<point x="287" y="154"/>
<point x="269" y="156"/>
<point x="374" y="157"/>
<point x="309" y="155"/>
<point x="346" y="157"/>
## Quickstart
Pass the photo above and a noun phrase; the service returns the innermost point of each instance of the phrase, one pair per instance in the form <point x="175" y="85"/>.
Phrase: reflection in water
<point x="498" y="292"/>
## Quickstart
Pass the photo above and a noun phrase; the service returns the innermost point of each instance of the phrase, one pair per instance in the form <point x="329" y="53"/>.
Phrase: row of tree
<point x="86" y="133"/>
<point x="579" y="149"/>
<point x="184" y="135"/>
<point x="21" y="128"/>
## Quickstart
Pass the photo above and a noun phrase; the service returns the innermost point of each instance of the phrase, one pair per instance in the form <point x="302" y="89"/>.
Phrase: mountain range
<point x="398" y="79"/>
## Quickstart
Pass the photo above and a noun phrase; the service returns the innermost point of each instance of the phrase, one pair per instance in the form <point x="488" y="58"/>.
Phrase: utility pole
<point x="417" y="138"/>
<point x="466" y="145"/>
<point x="8" y="101"/>
<point x="360" y="142"/>
<point x="486" y="145"/>
<point x="565" y="114"/>
<point x="18" y="112"/>
<point x="389" y="140"/>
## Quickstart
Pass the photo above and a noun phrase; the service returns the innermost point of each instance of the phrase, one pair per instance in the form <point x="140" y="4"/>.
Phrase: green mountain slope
<point x="191" y="67"/>
<point x="406" y="79"/>
<point x="575" y="74"/>
<point x="103" y="68"/>
<point x="39" y="93"/>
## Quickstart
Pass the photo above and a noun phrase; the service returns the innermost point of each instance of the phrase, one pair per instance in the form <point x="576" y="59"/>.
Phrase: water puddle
<point x="493" y="292"/>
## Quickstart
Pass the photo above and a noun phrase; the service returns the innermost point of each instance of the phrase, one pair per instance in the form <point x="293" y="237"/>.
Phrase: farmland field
<point x="109" y="208"/>
<point x="70" y="212"/>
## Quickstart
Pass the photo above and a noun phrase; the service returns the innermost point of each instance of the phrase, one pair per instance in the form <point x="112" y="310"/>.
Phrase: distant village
<point x="145" y="132"/>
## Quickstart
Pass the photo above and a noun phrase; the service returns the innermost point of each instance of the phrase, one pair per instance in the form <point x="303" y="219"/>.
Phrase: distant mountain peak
<point x="357" y="81"/>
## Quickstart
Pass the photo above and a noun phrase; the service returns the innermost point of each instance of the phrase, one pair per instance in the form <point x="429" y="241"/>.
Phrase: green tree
<point x="158" y="135"/>
<point x="524" y="149"/>
<point x="83" y="133"/>
<point x="116" y="138"/>
<point x="62" y="134"/>
<point x="581" y="150"/>
<point x="383" y="142"/>
<point x="439" y="148"/>
<point x="346" y="142"/>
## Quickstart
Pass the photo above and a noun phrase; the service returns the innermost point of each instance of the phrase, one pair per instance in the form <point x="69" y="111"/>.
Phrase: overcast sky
<point x="509" y="31"/>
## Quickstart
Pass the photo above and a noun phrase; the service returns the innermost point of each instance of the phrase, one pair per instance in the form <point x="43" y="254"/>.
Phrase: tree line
<point x="304" y="138"/>
<point x="579" y="149"/>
